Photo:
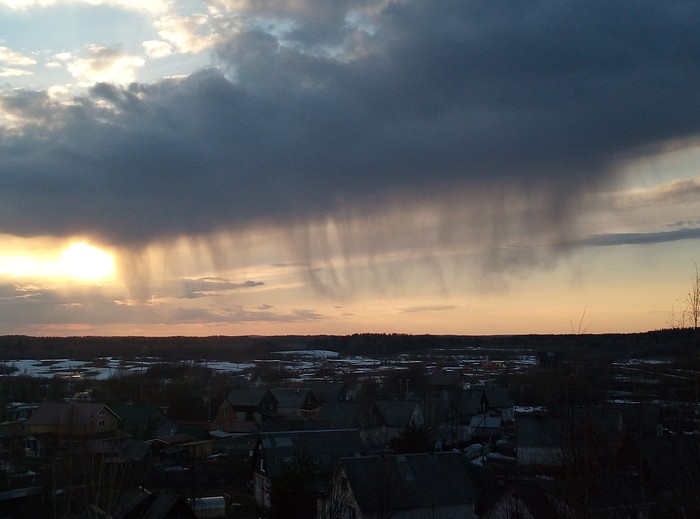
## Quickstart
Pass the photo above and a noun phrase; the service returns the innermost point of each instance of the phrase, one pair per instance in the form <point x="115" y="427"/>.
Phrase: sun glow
<point x="82" y="261"/>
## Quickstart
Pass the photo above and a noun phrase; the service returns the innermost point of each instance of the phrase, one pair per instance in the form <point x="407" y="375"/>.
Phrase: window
<point x="262" y="466"/>
<point x="101" y="424"/>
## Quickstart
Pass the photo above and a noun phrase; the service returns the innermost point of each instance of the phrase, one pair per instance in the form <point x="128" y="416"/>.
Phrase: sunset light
<point x="85" y="262"/>
<point x="238" y="167"/>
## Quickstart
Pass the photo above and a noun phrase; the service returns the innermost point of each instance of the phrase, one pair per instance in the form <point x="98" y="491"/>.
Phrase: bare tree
<point x="692" y="301"/>
<point x="688" y="315"/>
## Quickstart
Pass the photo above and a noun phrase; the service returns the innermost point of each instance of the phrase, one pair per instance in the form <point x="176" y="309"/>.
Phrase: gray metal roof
<point x="325" y="447"/>
<point x="403" y="482"/>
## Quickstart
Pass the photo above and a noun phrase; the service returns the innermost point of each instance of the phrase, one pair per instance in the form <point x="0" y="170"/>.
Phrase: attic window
<point x="101" y="412"/>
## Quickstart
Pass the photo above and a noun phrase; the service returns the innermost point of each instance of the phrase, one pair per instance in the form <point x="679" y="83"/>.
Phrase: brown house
<point x="243" y="410"/>
<point x="77" y="419"/>
<point x="53" y="424"/>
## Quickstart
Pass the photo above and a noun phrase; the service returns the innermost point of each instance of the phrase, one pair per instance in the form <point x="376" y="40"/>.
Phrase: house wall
<point x="261" y="486"/>
<point x="93" y="427"/>
<point x="225" y="416"/>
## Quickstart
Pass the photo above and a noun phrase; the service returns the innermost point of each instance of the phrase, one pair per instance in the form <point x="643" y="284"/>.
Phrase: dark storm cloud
<point x="438" y="97"/>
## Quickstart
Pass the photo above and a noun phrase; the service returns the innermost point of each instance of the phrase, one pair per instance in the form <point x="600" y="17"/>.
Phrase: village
<point x="308" y="433"/>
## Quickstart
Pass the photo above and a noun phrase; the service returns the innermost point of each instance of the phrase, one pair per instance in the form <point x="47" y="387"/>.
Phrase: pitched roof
<point x="486" y="421"/>
<point x="346" y="415"/>
<point x="290" y="397"/>
<point x="396" y="413"/>
<point x="409" y="481"/>
<point x="66" y="413"/>
<point x="328" y="391"/>
<point x="495" y="397"/>
<point x="326" y="446"/>
<point x="498" y="397"/>
<point x="470" y="402"/>
<point x="246" y="397"/>
<point x="133" y="414"/>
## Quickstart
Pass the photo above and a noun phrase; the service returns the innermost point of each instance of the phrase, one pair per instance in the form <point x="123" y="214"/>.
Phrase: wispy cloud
<point x="194" y="288"/>
<point x="428" y="308"/>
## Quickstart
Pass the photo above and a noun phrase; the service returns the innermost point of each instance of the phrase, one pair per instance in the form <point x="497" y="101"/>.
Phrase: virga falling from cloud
<point x="368" y="130"/>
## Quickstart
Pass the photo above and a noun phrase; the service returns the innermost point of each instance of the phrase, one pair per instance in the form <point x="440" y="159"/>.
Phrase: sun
<point x="86" y="262"/>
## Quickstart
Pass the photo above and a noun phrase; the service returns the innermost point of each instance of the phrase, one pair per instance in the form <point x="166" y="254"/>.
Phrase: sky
<point x="270" y="167"/>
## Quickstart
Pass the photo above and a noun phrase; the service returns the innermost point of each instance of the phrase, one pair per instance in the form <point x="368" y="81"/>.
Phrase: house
<point x="396" y="415"/>
<point x="494" y="401"/>
<point x="325" y="447"/>
<point x="247" y="405"/>
<point x="363" y="416"/>
<point x="400" y="486"/>
<point x="296" y="402"/>
<point x="54" y="423"/>
<point x="326" y="392"/>
<point x="80" y="419"/>
<point x="143" y="421"/>
<point x="227" y="422"/>
<point x="486" y="426"/>
<point x="193" y="414"/>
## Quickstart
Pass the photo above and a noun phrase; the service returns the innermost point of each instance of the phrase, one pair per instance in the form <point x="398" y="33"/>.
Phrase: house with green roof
<point x="143" y="421"/>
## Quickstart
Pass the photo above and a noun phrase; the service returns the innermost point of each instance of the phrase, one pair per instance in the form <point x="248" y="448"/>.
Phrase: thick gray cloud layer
<point x="304" y="119"/>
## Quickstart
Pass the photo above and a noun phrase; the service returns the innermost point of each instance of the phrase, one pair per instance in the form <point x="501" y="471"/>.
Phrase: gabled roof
<point x="247" y="397"/>
<point x="410" y="481"/>
<point x="396" y="413"/>
<point x="66" y="413"/>
<point x="486" y="421"/>
<point x="495" y="398"/>
<point x="470" y="402"/>
<point x="325" y="446"/>
<point x="291" y="397"/>
<point x="347" y="415"/>
<point x="498" y="397"/>
<point x="328" y="391"/>
<point x="136" y="414"/>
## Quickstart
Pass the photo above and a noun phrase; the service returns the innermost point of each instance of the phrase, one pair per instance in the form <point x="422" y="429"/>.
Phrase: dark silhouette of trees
<point x="412" y="439"/>
<point x="290" y="493"/>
